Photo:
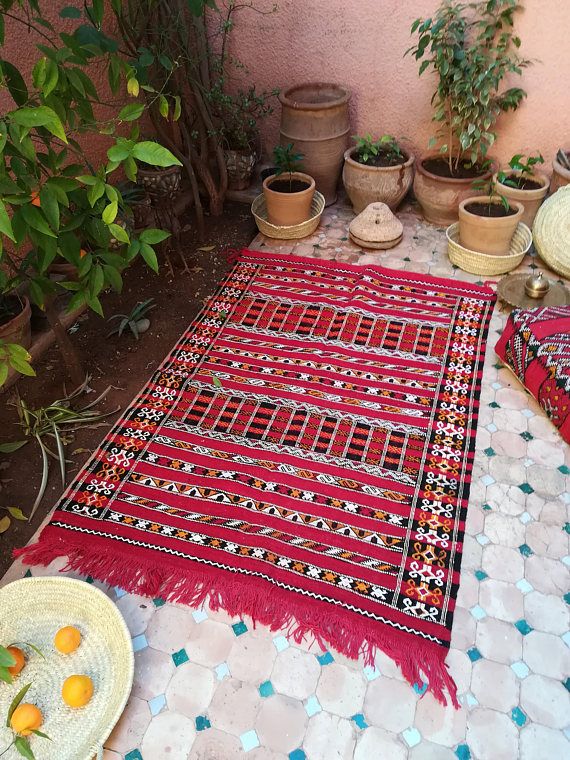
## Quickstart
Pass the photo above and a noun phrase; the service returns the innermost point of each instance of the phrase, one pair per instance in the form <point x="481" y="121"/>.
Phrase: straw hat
<point x="551" y="231"/>
<point x="376" y="227"/>
<point x="33" y="610"/>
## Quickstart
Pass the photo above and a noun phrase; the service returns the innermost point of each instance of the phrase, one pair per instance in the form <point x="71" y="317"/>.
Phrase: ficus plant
<point x="368" y="148"/>
<point x="471" y="47"/>
<point x="287" y="161"/>
<point x="56" y="203"/>
<point x="521" y="169"/>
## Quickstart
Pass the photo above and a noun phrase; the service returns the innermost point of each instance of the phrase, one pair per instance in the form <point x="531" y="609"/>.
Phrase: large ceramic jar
<point x="366" y="184"/>
<point x="314" y="118"/>
<point x="16" y="329"/>
<point x="440" y="196"/>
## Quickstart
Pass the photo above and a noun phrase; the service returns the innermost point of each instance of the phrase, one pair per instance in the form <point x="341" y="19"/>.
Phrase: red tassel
<point x="418" y="660"/>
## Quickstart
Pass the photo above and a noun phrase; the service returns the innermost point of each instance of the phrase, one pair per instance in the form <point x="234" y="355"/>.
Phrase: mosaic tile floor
<point x="208" y="687"/>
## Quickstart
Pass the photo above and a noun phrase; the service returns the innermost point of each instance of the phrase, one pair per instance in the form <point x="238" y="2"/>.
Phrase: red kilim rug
<point x="303" y="456"/>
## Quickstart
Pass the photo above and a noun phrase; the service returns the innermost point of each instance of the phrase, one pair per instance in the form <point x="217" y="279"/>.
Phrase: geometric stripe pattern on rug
<point x="303" y="456"/>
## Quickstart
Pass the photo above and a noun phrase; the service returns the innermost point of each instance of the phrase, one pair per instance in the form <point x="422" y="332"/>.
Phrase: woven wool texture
<point x="303" y="456"/>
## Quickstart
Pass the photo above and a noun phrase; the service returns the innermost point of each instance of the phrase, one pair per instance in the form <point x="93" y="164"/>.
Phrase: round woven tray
<point x="551" y="231"/>
<point x="33" y="610"/>
<point x="485" y="263"/>
<point x="259" y="211"/>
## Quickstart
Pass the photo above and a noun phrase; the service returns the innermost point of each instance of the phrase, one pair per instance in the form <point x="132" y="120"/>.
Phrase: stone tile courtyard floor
<point x="208" y="687"/>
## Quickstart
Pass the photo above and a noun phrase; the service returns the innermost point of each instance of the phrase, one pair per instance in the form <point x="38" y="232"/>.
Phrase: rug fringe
<point x="420" y="661"/>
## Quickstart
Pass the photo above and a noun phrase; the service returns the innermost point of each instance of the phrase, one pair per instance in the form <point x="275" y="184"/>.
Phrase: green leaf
<point x="8" y="448"/>
<point x="97" y="11"/>
<point x="216" y="381"/>
<point x="119" y="233"/>
<point x="95" y="304"/>
<point x="15" y="83"/>
<point x="1" y="29"/>
<point x="110" y="212"/>
<point x="154" y="154"/>
<point x="163" y="106"/>
<point x="16" y="701"/>
<point x="22" y="744"/>
<point x="95" y="192"/>
<point x="152" y="236"/>
<point x="119" y="152"/>
<point x="50" y="206"/>
<point x="6" y="659"/>
<point x="36" y="220"/>
<point x="5" y="223"/>
<point x="149" y="256"/>
<point x="70" y="12"/>
<point x="113" y="277"/>
<point x="131" y="112"/>
<point x="16" y="513"/>
<point x="40" y="733"/>
<point x="42" y="116"/>
<point x="177" y="108"/>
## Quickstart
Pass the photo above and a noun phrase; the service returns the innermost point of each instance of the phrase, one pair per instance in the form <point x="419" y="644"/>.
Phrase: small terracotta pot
<point x="287" y="209"/>
<point x="487" y="234"/>
<point x="560" y="175"/>
<point x="366" y="184"/>
<point x="530" y="199"/>
<point x="440" y="197"/>
<point x="18" y="329"/>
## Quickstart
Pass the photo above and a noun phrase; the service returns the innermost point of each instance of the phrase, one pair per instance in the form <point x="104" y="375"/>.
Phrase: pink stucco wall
<point x="360" y="44"/>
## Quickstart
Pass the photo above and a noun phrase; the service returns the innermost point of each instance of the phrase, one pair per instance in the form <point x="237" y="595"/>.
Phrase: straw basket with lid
<point x="33" y="610"/>
<point x="376" y="227"/>
<point x="551" y="231"/>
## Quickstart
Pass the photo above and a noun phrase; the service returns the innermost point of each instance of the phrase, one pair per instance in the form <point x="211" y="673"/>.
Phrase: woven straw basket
<point x="551" y="231"/>
<point x="33" y="610"/>
<point x="485" y="263"/>
<point x="259" y="210"/>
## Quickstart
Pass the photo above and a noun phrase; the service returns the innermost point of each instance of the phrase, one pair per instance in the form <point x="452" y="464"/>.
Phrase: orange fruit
<point x="35" y="198"/>
<point x="67" y="639"/>
<point x="77" y="690"/>
<point x="82" y="253"/>
<point x="18" y="655"/>
<point x="25" y="719"/>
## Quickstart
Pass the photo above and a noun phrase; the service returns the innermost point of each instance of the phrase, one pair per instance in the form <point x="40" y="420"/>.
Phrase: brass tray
<point x="511" y="291"/>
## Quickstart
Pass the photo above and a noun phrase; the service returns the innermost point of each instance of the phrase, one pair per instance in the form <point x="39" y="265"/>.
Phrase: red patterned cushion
<point x="536" y="346"/>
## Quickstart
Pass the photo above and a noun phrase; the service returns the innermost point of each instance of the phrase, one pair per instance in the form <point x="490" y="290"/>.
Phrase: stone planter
<point x="530" y="199"/>
<point x="240" y="164"/>
<point x="315" y="119"/>
<point x="440" y="197"/>
<point x="366" y="184"/>
<point x="160" y="184"/>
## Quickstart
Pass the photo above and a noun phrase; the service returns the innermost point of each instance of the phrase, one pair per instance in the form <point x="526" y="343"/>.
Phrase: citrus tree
<point x="55" y="203"/>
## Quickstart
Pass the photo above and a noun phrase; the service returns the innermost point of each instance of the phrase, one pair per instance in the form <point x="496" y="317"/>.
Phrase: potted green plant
<point x="240" y="115"/>
<point x="560" y="170"/>
<point x="520" y="181"/>
<point x="377" y="170"/>
<point x="471" y="47"/>
<point x="56" y="206"/>
<point x="289" y="192"/>
<point x="487" y="222"/>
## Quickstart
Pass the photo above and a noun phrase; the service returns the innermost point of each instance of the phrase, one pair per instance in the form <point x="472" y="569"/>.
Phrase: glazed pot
<point x="488" y="234"/>
<point x="161" y="184"/>
<point x="367" y="184"/>
<point x="315" y="119"/>
<point x="17" y="329"/>
<point x="560" y="175"/>
<point x="530" y="199"/>
<point x="287" y="209"/>
<point x="440" y="197"/>
<point x="240" y="164"/>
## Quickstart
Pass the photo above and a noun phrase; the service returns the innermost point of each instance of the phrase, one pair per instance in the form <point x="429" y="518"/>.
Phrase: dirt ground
<point x="123" y="363"/>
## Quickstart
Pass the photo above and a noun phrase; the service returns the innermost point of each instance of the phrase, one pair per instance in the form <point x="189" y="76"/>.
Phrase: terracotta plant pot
<point x="160" y="184"/>
<point x="488" y="234"/>
<point x="560" y="175"/>
<point x="239" y="164"/>
<point x="314" y="118"/>
<point x="367" y="184"/>
<point x="530" y="199"/>
<point x="17" y="329"/>
<point x="440" y="197"/>
<point x="284" y="208"/>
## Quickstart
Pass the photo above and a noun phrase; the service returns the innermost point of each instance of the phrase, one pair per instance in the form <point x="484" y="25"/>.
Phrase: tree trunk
<point x="70" y="356"/>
